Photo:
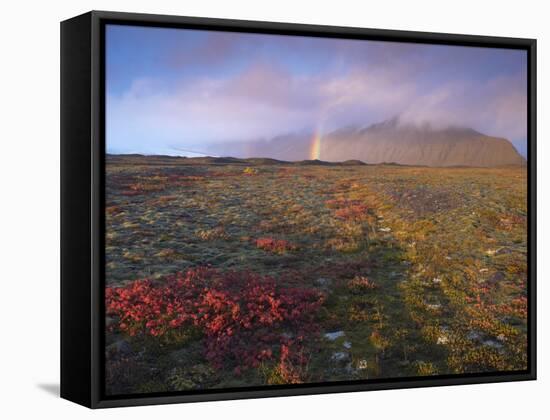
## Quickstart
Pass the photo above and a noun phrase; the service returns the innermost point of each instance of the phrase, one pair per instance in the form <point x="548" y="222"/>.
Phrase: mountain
<point x="388" y="141"/>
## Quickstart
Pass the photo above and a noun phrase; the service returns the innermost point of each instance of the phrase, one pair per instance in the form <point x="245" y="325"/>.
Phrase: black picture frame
<point x="82" y="206"/>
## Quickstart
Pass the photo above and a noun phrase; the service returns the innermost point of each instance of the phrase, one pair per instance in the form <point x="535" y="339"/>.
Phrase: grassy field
<point x="227" y="273"/>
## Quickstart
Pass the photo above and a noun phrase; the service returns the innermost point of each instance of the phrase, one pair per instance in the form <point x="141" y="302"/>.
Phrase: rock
<point x="334" y="335"/>
<point x="323" y="282"/>
<point x="340" y="357"/>
<point x="504" y="251"/>
<point x="442" y="339"/>
<point x="384" y="229"/>
<point x="473" y="335"/>
<point x="349" y="369"/>
<point x="362" y="364"/>
<point x="492" y="343"/>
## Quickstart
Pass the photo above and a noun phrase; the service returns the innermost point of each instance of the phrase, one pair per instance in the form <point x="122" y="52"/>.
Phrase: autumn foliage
<point x="246" y="319"/>
<point x="278" y="246"/>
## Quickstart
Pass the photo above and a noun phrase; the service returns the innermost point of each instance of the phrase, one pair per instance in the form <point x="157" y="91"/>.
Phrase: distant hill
<point x="353" y="162"/>
<point x="388" y="141"/>
<point x="138" y="159"/>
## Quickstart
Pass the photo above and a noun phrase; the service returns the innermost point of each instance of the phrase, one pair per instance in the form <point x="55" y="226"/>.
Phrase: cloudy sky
<point x="176" y="91"/>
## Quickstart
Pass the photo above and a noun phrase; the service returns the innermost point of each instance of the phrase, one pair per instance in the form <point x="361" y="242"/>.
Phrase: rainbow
<point x="315" y="147"/>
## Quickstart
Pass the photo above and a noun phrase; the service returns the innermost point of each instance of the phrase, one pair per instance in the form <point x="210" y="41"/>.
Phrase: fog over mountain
<point x="388" y="141"/>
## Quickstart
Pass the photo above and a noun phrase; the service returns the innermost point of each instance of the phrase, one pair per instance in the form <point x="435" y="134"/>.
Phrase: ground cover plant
<point x="229" y="273"/>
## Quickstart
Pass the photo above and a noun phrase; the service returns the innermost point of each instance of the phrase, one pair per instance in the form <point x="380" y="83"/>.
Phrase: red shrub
<point x="347" y="209"/>
<point x="245" y="318"/>
<point x="287" y="369"/>
<point x="351" y="212"/>
<point x="278" y="246"/>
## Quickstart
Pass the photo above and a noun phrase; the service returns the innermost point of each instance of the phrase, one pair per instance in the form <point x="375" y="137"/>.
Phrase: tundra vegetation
<point x="224" y="273"/>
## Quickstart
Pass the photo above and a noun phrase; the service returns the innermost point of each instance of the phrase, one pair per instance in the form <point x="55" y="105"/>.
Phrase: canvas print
<point x="295" y="210"/>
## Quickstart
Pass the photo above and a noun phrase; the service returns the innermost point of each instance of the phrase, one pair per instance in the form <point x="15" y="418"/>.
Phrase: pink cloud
<point x="264" y="101"/>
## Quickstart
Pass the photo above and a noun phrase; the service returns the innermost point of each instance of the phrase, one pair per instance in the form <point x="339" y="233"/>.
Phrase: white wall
<point x="29" y="169"/>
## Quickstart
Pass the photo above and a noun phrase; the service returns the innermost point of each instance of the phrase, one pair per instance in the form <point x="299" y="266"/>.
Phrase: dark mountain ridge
<point x="388" y="141"/>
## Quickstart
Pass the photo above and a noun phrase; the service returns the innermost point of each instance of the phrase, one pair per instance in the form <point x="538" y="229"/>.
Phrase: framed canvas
<point x="255" y="209"/>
